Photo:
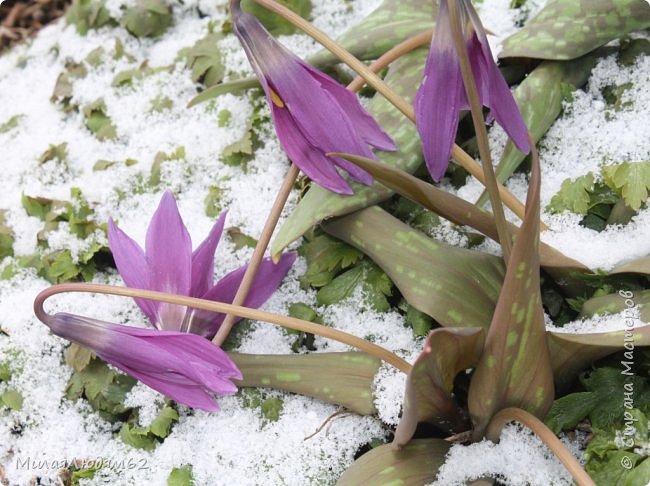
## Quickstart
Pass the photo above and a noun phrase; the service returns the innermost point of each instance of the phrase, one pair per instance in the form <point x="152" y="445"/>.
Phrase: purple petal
<point x="132" y="266"/>
<point x="169" y="256"/>
<point x="182" y="366"/>
<point x="267" y="280"/>
<point x="310" y="159"/>
<point x="495" y="92"/>
<point x="439" y="98"/>
<point x="365" y="125"/>
<point x="203" y="259"/>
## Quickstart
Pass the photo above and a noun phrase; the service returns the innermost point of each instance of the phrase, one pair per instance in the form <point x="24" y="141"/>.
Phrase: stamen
<point x="277" y="101"/>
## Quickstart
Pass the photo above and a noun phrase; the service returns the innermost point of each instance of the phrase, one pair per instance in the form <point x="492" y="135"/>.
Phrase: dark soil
<point x="20" y="20"/>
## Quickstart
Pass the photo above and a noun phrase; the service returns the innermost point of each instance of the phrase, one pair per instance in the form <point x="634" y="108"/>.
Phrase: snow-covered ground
<point x="236" y="445"/>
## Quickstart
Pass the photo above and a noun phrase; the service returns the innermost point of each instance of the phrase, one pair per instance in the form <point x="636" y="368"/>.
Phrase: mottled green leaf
<point x="319" y="204"/>
<point x="455" y="286"/>
<point x="515" y="368"/>
<point x="631" y="180"/>
<point x="567" y="29"/>
<point x="389" y="24"/>
<point x="272" y="21"/>
<point x="460" y="212"/>
<point x="181" y="476"/>
<point x="342" y="378"/>
<point x="147" y="18"/>
<point x="428" y="396"/>
<point x="572" y="353"/>
<point x="415" y="464"/>
<point x="615" y="303"/>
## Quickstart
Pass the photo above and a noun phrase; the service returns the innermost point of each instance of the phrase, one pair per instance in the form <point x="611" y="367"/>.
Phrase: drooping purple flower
<point x="441" y="95"/>
<point x="185" y="367"/>
<point x="168" y="264"/>
<point x="312" y="113"/>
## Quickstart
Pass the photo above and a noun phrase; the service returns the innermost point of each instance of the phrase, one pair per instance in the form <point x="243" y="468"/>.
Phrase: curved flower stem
<point x="476" y="108"/>
<point x="401" y="49"/>
<point x="545" y="434"/>
<point x="258" y="253"/>
<point x="378" y="84"/>
<point x="209" y="305"/>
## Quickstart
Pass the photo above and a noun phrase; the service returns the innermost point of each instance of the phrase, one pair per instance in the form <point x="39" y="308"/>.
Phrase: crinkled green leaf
<point x="326" y="257"/>
<point x="63" y="87"/>
<point x="631" y="180"/>
<point x="241" y="239"/>
<point x="78" y="357"/>
<point x="428" y="396"/>
<point x="159" y="159"/>
<point x="610" y="471"/>
<point x="573" y="195"/>
<point x="205" y="61"/>
<point x="212" y="202"/>
<point x="161" y="425"/>
<point x="148" y="438"/>
<point x="515" y="368"/>
<point x="272" y="408"/>
<point x="455" y="286"/>
<point x="181" y="476"/>
<point x="640" y="475"/>
<point x="54" y="152"/>
<point x="415" y="464"/>
<point x="147" y="18"/>
<point x="88" y="14"/>
<point x="98" y="121"/>
<point x="342" y="378"/>
<point x="404" y="75"/>
<point x="567" y="29"/>
<point x="568" y="411"/>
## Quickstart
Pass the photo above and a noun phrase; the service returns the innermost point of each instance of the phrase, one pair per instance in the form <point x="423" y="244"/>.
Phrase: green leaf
<point x="404" y="75"/>
<point x="413" y="465"/>
<point x="568" y="411"/>
<point x="137" y="437"/>
<point x="345" y="379"/>
<point x="161" y="103"/>
<point x="515" y="368"/>
<point x="341" y="287"/>
<point x="78" y="357"/>
<point x="615" y="303"/>
<point x="240" y="239"/>
<point x="212" y="202"/>
<point x="63" y="87"/>
<point x="640" y="475"/>
<point x="272" y="408"/>
<point x="6" y="237"/>
<point x="147" y="18"/>
<point x="326" y="257"/>
<point x="272" y="21"/>
<point x="13" y="399"/>
<point x="98" y="122"/>
<point x="162" y="424"/>
<point x="103" y="165"/>
<point x="631" y="180"/>
<point x="54" y="152"/>
<point x="159" y="159"/>
<point x="205" y="61"/>
<point x="455" y="286"/>
<point x="419" y="321"/>
<point x="11" y="123"/>
<point x="632" y="49"/>
<point x="88" y="14"/>
<point x="428" y="396"/>
<point x="567" y="29"/>
<point x="610" y="470"/>
<point x="181" y="476"/>
<point x="573" y="195"/>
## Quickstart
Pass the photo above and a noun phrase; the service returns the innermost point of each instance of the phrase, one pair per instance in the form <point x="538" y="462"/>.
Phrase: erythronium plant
<point x="312" y="113"/>
<point x="168" y="264"/>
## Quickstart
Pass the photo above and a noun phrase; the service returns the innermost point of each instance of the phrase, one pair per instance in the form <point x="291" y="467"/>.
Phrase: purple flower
<point x="168" y="264"/>
<point x="313" y="114"/>
<point x="185" y="367"/>
<point x="442" y="94"/>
